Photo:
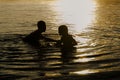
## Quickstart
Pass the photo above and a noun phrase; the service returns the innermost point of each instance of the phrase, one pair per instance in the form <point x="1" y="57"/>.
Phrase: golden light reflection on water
<point x="85" y="72"/>
<point x="84" y="59"/>
<point x="79" y="13"/>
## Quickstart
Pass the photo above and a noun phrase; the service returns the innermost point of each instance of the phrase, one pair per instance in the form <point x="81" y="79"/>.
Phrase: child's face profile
<point x="60" y="32"/>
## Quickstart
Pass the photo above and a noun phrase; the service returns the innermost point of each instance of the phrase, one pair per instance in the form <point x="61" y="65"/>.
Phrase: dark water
<point x="96" y="57"/>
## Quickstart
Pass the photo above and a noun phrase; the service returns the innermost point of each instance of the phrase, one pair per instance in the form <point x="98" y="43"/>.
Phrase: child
<point x="67" y="40"/>
<point x="35" y="37"/>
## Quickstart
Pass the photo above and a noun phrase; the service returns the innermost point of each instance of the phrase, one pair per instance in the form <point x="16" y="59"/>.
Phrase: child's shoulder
<point x="70" y="36"/>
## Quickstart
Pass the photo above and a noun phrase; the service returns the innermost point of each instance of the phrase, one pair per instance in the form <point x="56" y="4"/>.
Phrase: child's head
<point x="41" y="26"/>
<point x="63" y="30"/>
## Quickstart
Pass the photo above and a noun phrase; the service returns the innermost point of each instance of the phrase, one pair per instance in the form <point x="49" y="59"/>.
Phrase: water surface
<point x="94" y="24"/>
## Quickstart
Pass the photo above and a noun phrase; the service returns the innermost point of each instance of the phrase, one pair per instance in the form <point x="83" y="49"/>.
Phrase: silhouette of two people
<point x="34" y="38"/>
<point x="66" y="43"/>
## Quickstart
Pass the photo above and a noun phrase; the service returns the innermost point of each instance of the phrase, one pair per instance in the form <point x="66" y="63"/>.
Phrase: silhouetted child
<point x="35" y="37"/>
<point x="67" y="44"/>
<point x="66" y="39"/>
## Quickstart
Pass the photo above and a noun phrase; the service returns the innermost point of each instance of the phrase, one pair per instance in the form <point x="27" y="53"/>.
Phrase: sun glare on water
<point x="78" y="13"/>
<point x="85" y="72"/>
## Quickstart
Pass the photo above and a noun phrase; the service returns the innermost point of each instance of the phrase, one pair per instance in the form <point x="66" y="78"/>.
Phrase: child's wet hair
<point x="41" y="25"/>
<point x="63" y="29"/>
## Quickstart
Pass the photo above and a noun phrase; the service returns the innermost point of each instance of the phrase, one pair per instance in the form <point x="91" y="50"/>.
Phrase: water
<point x="95" y="25"/>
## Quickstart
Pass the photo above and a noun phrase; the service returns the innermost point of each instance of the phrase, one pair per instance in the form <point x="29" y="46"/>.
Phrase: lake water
<point x="94" y="24"/>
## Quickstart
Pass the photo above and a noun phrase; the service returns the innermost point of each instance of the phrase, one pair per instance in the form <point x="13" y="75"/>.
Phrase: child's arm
<point x="50" y="40"/>
<point x="73" y="41"/>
